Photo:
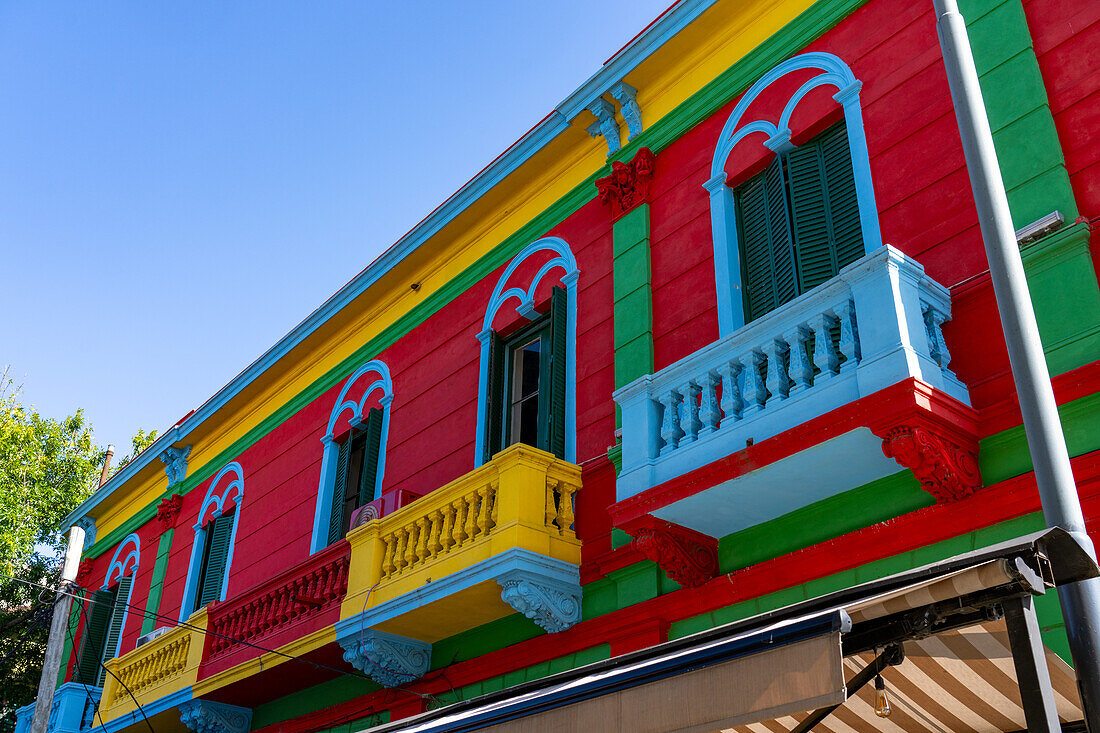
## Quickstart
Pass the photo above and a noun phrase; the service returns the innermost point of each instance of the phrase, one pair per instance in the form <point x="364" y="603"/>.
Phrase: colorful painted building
<point x="717" y="336"/>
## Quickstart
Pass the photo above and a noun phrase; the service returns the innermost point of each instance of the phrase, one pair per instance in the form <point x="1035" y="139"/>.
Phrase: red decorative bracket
<point x="168" y="510"/>
<point x="83" y="572"/>
<point x="688" y="557"/>
<point x="628" y="184"/>
<point x="946" y="467"/>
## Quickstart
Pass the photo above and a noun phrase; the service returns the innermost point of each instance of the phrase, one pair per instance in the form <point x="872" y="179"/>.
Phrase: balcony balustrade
<point x="875" y="324"/>
<point x="168" y="664"/>
<point x="308" y="592"/>
<point x="498" y="539"/>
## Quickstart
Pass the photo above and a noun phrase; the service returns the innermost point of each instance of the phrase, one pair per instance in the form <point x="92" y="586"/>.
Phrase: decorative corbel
<point x="626" y="96"/>
<point x="946" y="467"/>
<point x="207" y="716"/>
<point x="628" y="185"/>
<point x="84" y="572"/>
<point x="175" y="463"/>
<point x="688" y="557"/>
<point x="390" y="660"/>
<point x="168" y="510"/>
<point x="87" y="524"/>
<point x="605" y="124"/>
<point x="553" y="606"/>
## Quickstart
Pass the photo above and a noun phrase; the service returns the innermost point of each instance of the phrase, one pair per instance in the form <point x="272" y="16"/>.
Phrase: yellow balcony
<point x="495" y="541"/>
<point x="166" y="667"/>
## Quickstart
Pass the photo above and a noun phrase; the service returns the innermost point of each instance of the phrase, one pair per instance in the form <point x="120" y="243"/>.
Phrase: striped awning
<point x="961" y="681"/>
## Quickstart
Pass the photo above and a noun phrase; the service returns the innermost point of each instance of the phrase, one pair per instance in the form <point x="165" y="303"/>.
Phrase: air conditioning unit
<point x="146" y="638"/>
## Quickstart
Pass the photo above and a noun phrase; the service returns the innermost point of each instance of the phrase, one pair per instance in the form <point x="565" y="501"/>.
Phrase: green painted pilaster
<point x="633" y="298"/>
<point x="156" y="584"/>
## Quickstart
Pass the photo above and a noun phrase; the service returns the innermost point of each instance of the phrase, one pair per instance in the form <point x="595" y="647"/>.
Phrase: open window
<point x="798" y="222"/>
<point x="527" y="383"/>
<point x="218" y="535"/>
<point x="356" y="473"/>
<point x="103" y="624"/>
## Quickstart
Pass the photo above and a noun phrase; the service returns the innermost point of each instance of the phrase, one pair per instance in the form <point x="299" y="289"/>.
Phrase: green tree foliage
<point x="47" y="468"/>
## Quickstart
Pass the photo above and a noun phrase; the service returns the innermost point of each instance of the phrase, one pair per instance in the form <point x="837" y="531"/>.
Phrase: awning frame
<point x="1035" y="562"/>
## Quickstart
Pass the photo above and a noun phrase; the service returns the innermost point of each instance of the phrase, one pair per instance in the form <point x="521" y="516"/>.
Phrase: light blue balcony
<point x="875" y="324"/>
<point x="73" y="710"/>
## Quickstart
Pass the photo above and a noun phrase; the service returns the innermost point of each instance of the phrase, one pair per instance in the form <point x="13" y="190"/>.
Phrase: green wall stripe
<point x="156" y="582"/>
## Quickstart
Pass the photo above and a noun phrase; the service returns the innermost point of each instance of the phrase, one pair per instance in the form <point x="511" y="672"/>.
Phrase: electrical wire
<point x="72" y="645"/>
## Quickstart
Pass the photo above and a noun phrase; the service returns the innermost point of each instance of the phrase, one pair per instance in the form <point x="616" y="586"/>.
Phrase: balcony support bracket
<point x="553" y="605"/>
<point x="207" y="716"/>
<point x="945" y="463"/>
<point x="390" y="660"/>
<point x="688" y="557"/>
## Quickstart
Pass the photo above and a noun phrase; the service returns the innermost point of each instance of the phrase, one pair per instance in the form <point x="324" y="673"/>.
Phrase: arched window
<point x="106" y="617"/>
<point x="528" y="379"/>
<point x="215" y="537"/>
<point x="809" y="213"/>
<point x="354" y="461"/>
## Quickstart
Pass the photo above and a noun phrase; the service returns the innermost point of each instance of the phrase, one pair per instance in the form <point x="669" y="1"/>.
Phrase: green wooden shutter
<point x="555" y="397"/>
<point x="216" y="557"/>
<point x="768" y="272"/>
<point x="368" y="476"/>
<point x="336" y="515"/>
<point x="825" y="213"/>
<point x="114" y="628"/>
<point x="97" y="621"/>
<point x="494" y="398"/>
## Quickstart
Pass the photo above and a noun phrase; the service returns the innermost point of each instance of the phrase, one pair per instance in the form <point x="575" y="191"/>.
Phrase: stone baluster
<point x="709" y="413"/>
<point x="399" y="554"/>
<point x="388" y="567"/>
<point x="551" y="509"/>
<point x="689" y="412"/>
<point x="777" y="381"/>
<point x="421" y="539"/>
<point x="483" y="515"/>
<point x="933" y="324"/>
<point x="493" y="486"/>
<point x="731" y="393"/>
<point x="565" y="516"/>
<point x="471" y="515"/>
<point x="849" y="335"/>
<point x="434" y="544"/>
<point x="825" y="357"/>
<point x="460" y="521"/>
<point x="410" y="546"/>
<point x="445" y="535"/>
<point x="800" y="370"/>
<point x="754" y="393"/>
<point x="670" y="425"/>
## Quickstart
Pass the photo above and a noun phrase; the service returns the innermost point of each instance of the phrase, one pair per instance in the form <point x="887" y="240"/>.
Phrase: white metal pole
<point x="55" y="645"/>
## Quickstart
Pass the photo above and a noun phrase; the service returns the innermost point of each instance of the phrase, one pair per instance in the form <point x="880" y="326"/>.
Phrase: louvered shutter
<point x="494" y="397"/>
<point x="114" y="628"/>
<point x="768" y="271"/>
<point x="336" y="514"/>
<point x="559" y="315"/>
<point x="97" y="621"/>
<point x="216" y="557"/>
<point x="368" y="476"/>
<point x="824" y="209"/>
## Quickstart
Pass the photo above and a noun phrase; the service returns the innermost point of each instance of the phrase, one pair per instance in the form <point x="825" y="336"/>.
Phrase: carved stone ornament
<point x="686" y="556"/>
<point x="945" y="469"/>
<point x="168" y="510"/>
<point x="553" y="607"/>
<point x="390" y="660"/>
<point x="83" y="572"/>
<point x="175" y="463"/>
<point x="206" y="716"/>
<point x="628" y="184"/>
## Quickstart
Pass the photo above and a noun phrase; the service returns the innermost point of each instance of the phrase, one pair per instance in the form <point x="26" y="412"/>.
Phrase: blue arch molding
<point x="723" y="212"/>
<point x="227" y="485"/>
<point x="563" y="259"/>
<point x="327" y="482"/>
<point x="129" y="549"/>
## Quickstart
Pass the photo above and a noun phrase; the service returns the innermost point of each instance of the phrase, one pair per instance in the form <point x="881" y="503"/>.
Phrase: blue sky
<point x="180" y="184"/>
